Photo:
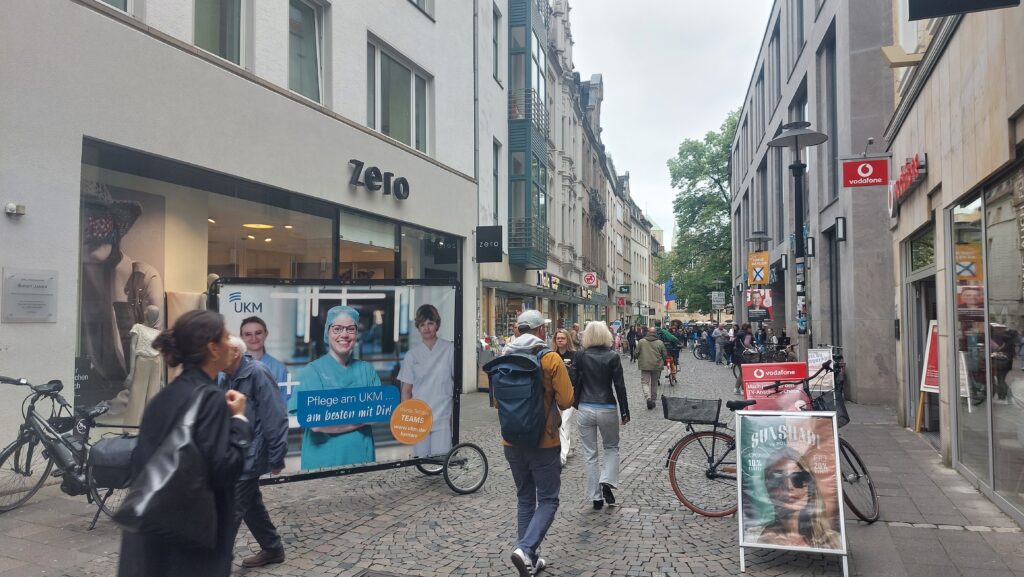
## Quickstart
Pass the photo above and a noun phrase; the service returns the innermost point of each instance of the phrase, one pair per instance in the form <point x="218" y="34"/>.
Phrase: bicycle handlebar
<point x="15" y="382"/>
<point x="825" y="367"/>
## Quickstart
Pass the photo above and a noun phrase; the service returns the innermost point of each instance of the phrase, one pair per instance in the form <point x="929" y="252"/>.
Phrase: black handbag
<point x="171" y="496"/>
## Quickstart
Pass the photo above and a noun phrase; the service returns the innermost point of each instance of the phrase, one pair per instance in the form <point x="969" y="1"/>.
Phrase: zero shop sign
<point x="865" y="172"/>
<point x="374" y="179"/>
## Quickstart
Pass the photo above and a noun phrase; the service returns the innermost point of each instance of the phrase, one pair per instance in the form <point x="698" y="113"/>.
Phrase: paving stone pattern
<point x="401" y="522"/>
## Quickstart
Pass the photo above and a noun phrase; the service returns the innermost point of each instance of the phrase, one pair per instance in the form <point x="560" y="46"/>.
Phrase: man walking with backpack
<point x="650" y="360"/>
<point x="530" y="370"/>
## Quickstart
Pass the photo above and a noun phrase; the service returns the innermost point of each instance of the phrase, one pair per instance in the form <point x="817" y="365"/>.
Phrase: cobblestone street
<point x="401" y="522"/>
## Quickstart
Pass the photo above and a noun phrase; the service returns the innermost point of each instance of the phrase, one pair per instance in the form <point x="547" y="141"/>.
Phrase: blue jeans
<point x="538" y="477"/>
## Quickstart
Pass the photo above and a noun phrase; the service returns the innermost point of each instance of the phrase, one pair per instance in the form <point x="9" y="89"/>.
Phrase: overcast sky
<point x="672" y="70"/>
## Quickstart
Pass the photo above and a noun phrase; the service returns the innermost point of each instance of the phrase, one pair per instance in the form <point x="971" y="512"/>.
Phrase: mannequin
<point x="146" y="376"/>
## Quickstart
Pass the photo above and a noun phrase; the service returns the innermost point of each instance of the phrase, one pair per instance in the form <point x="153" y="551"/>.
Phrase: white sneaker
<point x="522" y="563"/>
<point x="539" y="565"/>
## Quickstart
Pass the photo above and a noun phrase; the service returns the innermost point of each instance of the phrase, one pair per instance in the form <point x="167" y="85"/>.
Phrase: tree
<point x="702" y="251"/>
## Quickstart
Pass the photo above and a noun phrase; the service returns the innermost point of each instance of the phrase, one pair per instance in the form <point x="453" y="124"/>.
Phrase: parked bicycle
<point x="702" y="465"/>
<point x="764" y="354"/>
<point x="838" y="363"/>
<point x="59" y="439"/>
<point x="700" y="351"/>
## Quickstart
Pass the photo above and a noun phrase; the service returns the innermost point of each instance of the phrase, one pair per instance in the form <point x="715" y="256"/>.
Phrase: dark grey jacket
<point x="267" y="414"/>
<point x="597" y="378"/>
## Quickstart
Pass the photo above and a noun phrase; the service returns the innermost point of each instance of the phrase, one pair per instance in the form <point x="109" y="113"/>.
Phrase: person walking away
<point x="268" y="417"/>
<point x="575" y="334"/>
<point x="730" y="346"/>
<point x="721" y="336"/>
<point x="198" y="343"/>
<point x="631" y="337"/>
<point x="534" y="464"/>
<point x="566" y="350"/>
<point x="710" y="338"/>
<point x="743" y="343"/>
<point x="650" y="360"/>
<point x="600" y="398"/>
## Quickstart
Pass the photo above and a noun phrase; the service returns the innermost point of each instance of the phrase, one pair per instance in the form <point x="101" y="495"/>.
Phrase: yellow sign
<point x="757" y="268"/>
<point x="411" y="421"/>
<point x="968" y="262"/>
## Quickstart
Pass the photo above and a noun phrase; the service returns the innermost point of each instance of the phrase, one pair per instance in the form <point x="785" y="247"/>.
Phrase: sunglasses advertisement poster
<point x="789" y="491"/>
<point x="759" y="384"/>
<point x="759" y="305"/>
<point x="369" y="375"/>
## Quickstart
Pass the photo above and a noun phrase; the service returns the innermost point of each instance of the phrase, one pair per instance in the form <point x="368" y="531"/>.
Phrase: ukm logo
<point x="241" y="306"/>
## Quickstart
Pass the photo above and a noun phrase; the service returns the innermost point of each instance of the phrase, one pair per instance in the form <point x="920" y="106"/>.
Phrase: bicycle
<point x="763" y="355"/>
<point x="670" y="364"/>
<point x="464" y="468"/>
<point x="61" y="439"/>
<point x="704" y="478"/>
<point x="700" y="351"/>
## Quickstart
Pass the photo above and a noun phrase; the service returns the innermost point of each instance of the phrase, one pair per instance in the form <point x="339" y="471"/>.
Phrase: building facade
<point x="957" y="203"/>
<point x="820" y="61"/>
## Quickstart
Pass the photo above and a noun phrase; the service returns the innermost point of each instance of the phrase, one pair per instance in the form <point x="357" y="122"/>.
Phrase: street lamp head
<point x="758" y="236"/>
<point x="797" y="135"/>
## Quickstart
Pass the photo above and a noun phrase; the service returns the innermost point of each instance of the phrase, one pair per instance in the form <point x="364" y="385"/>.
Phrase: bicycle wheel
<point x="465" y="468"/>
<point x="106" y="498"/>
<point x="24" y="467"/>
<point x="858" y="490"/>
<point x="430" y="468"/>
<point x="702" y="471"/>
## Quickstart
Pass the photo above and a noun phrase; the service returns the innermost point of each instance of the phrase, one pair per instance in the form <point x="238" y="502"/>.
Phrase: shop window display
<point x="366" y="247"/>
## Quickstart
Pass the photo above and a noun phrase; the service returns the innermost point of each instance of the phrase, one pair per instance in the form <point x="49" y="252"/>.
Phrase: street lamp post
<point x="758" y="237"/>
<point x="797" y="135"/>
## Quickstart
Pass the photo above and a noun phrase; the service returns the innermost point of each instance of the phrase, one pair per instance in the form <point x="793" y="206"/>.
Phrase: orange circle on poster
<point x="411" y="421"/>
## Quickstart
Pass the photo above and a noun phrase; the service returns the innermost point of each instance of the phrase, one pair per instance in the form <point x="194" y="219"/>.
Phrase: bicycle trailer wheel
<point x="702" y="471"/>
<point x="858" y="489"/>
<point x="465" y="468"/>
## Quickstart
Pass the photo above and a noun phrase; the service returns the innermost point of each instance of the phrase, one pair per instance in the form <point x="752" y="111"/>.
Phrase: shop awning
<point x="523" y="289"/>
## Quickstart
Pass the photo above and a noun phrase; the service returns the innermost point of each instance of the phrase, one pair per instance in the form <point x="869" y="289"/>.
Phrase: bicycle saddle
<point x="91" y="412"/>
<point x="49" y="388"/>
<point x="737" y="405"/>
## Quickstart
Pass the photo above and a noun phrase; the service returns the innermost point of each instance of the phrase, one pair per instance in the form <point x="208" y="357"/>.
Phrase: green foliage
<point x="703" y="241"/>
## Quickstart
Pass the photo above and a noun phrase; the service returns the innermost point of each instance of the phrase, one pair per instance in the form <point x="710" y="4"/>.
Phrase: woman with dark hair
<point x="199" y="344"/>
<point x="800" y="518"/>
<point x="566" y="350"/>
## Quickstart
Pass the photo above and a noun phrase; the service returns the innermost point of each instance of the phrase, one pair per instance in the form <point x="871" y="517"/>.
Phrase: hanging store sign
<point x="757" y="268"/>
<point x="860" y="172"/>
<point x="488" y="244"/>
<point x="375" y="179"/>
<point x="590" y="279"/>
<point x="912" y="174"/>
<point x="924" y="9"/>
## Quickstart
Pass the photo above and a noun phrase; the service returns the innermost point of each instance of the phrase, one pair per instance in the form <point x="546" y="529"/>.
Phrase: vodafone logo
<point x="758" y="373"/>
<point x="865" y="170"/>
<point x="860" y="172"/>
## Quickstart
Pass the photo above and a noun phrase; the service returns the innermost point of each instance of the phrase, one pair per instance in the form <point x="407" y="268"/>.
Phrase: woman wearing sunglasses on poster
<point x="800" y="517"/>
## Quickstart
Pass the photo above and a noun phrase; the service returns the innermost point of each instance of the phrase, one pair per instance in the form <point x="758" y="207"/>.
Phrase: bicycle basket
<point x="695" y="411"/>
<point x="832" y="401"/>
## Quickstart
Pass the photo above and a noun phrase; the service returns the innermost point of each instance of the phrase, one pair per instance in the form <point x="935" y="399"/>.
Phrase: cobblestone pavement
<point x="400" y="522"/>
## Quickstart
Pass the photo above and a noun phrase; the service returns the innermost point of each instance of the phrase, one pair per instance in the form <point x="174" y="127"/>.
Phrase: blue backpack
<point x="517" y="390"/>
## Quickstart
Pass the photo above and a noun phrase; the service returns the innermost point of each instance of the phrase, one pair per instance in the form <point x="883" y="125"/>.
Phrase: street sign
<point x="616" y="325"/>
<point x="590" y="279"/>
<point x="757" y="268"/>
<point x="865" y="172"/>
<point x="624" y="289"/>
<point x="718" y="299"/>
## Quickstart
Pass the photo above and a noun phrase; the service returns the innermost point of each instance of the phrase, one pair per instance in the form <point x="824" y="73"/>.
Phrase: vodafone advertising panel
<point x="866" y="172"/>
<point x="757" y="377"/>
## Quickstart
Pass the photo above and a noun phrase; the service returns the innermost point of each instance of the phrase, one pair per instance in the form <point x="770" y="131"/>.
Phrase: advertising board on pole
<point x="815" y="359"/>
<point x="757" y="268"/>
<point x="369" y="374"/>
<point x="930" y="370"/>
<point x="758" y="376"/>
<point x="759" y="305"/>
<point x="789" y="490"/>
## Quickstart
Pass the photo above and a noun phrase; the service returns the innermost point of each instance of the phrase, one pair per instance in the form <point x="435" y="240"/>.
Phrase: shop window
<point x="218" y="27"/>
<point x="397" y="98"/>
<point x="366" y="248"/>
<point x="428" y="254"/>
<point x="970" y="336"/>
<point x="305" y="33"/>
<point x="1003" y="258"/>
<point x="922" y="251"/>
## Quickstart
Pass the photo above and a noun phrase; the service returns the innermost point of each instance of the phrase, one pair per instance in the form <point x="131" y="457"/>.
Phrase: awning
<point x="523" y="289"/>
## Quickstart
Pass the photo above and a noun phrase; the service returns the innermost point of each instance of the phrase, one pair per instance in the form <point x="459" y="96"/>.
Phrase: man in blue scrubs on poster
<point x="338" y="445"/>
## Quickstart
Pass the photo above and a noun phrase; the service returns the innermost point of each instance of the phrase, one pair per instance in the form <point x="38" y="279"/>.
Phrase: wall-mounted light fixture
<point x="785" y="262"/>
<point x="810" y="246"/>
<point x="840" y="228"/>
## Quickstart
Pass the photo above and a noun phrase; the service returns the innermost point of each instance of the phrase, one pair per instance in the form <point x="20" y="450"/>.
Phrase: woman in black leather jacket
<point x="600" y="398"/>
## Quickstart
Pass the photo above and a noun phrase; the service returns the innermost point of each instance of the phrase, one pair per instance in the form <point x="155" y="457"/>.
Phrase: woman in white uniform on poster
<point x="427" y="374"/>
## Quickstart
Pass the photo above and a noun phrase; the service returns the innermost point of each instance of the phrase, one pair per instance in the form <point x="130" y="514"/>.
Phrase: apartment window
<point x="828" y="104"/>
<point x="396" y="98"/>
<point x="494" y="41"/>
<point x="305" y="31"/>
<point x="425" y="6"/>
<point x="539" y="69"/>
<point x="496" y="173"/>
<point x="762" y="195"/>
<point x="119" y="4"/>
<point x="759" y="106"/>
<point x="796" y="22"/>
<point x="218" y="28"/>
<point x="775" y="52"/>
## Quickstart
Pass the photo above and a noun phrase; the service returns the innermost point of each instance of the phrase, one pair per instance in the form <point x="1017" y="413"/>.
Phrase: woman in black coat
<point x="199" y="343"/>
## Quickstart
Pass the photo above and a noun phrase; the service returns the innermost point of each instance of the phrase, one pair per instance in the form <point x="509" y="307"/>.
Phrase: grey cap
<point x="531" y="319"/>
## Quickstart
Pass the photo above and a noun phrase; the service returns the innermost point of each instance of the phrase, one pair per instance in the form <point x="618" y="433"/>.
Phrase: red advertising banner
<point x="865" y="172"/>
<point x="930" y="371"/>
<point x="758" y="376"/>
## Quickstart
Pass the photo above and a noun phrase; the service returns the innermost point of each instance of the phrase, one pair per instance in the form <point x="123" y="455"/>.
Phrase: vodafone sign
<point x="865" y="172"/>
<point x="757" y="377"/>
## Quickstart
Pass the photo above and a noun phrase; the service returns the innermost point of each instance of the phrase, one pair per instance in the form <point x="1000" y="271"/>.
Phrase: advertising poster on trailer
<point x="789" y="494"/>
<point x="759" y="305"/>
<point x="367" y="373"/>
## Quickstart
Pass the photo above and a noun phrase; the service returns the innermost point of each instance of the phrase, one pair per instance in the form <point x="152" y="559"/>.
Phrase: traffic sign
<point x="590" y="279"/>
<point x="718" y="299"/>
<point x="622" y="301"/>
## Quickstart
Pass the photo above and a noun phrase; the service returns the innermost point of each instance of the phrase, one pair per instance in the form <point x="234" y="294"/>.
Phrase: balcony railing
<point x="598" y="212"/>
<point x="528" y="105"/>
<point x="528" y="242"/>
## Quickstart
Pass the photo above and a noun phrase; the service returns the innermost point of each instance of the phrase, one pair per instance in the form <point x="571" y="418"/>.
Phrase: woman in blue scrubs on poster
<point x="338" y="445"/>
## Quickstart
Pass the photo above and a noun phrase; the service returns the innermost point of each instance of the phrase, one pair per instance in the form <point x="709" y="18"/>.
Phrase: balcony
<point x="528" y="242"/>
<point x="598" y="212"/>
<point x="527" y="105"/>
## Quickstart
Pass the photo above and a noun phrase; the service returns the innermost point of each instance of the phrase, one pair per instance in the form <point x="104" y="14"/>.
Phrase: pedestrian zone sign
<point x="757" y="268"/>
<point x="590" y="279"/>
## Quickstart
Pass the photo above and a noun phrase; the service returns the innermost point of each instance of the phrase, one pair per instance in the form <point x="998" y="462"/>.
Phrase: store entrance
<point x="924" y="308"/>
